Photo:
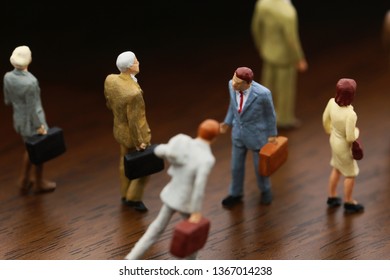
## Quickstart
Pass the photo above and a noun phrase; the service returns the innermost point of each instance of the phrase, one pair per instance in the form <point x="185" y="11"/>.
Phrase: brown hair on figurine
<point x="244" y="73"/>
<point x="345" y="92"/>
<point x="208" y="129"/>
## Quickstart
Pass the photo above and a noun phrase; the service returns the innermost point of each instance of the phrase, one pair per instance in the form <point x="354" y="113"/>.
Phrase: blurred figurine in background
<point x="275" y="34"/>
<point x="191" y="161"/>
<point x="124" y="98"/>
<point x="386" y="34"/>
<point x="22" y="91"/>
<point x="339" y="120"/>
<point x="251" y="115"/>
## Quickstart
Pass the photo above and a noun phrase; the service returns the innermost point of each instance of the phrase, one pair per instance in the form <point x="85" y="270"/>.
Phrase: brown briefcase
<point x="189" y="237"/>
<point x="272" y="156"/>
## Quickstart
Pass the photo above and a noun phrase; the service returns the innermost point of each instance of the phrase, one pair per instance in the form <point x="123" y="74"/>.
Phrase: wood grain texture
<point x="84" y="219"/>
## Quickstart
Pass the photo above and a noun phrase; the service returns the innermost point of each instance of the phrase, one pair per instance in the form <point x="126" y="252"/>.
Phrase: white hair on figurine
<point x="21" y="57"/>
<point x="125" y="60"/>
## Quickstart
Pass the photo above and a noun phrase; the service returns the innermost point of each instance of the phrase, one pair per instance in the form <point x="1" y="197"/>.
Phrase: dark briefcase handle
<point x="142" y="163"/>
<point x="44" y="147"/>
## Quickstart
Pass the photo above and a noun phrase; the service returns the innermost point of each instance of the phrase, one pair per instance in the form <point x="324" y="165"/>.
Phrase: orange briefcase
<point x="189" y="237"/>
<point x="273" y="155"/>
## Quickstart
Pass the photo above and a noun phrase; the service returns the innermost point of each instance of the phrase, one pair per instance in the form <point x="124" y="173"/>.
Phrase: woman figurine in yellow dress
<point x="339" y="120"/>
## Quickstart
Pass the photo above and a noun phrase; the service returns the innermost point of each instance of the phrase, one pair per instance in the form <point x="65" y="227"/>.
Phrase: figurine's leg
<point x="349" y="183"/>
<point x="25" y="180"/>
<point x="333" y="199"/>
<point x="263" y="182"/>
<point x="286" y="90"/>
<point x="268" y="80"/>
<point x="42" y="185"/>
<point x="333" y="181"/>
<point x="151" y="235"/>
<point x="238" y="170"/>
<point x="136" y="189"/>
<point x="351" y="205"/>
<point x="125" y="182"/>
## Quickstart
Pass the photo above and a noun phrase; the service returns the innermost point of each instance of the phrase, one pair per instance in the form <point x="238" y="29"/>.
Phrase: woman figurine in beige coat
<point x="124" y="97"/>
<point x="339" y="120"/>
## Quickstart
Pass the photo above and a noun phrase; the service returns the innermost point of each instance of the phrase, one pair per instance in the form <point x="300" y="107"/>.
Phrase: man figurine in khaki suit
<point x="124" y="98"/>
<point x="275" y="34"/>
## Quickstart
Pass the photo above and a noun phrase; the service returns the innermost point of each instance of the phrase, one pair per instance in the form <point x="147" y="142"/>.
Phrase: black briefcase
<point x="142" y="163"/>
<point x="42" y="148"/>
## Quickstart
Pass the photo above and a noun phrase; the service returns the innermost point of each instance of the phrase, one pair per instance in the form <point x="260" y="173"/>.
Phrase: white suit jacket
<point x="191" y="161"/>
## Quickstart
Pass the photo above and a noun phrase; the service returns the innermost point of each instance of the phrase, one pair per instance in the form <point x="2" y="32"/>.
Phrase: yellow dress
<point x="340" y="123"/>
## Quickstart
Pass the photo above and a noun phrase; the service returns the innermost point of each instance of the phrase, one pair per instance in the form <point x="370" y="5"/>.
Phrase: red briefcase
<point x="189" y="237"/>
<point x="273" y="155"/>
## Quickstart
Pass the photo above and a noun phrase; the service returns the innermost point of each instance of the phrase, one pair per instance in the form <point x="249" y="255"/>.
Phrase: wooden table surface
<point x="84" y="219"/>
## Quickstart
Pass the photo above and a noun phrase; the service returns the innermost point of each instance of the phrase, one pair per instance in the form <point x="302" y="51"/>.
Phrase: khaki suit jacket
<point x="125" y="98"/>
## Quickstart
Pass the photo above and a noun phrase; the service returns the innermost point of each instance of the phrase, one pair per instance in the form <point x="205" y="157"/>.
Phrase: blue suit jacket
<point x="257" y="120"/>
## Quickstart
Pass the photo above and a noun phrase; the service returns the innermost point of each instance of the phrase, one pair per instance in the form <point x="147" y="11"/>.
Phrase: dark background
<point x="188" y="51"/>
<point x="78" y="42"/>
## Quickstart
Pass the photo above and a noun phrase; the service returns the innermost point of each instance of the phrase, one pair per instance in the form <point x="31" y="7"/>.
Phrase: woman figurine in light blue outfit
<point x="21" y="90"/>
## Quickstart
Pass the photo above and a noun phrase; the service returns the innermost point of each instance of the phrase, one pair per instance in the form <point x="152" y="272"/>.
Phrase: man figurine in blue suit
<point x="251" y="115"/>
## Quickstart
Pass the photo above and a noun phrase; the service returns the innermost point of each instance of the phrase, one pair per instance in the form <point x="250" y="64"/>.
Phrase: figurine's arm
<point x="6" y="92"/>
<point x="108" y="88"/>
<point x="269" y="116"/>
<point x="160" y="150"/>
<point x="135" y="113"/>
<point x="223" y="127"/>
<point x="228" y="121"/>
<point x="34" y="109"/>
<point x="326" y="121"/>
<point x="351" y="131"/>
<point x="293" y="40"/>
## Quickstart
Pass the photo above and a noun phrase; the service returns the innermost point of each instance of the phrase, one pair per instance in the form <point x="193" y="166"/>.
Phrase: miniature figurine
<point x="251" y="115"/>
<point x="339" y="120"/>
<point x="124" y="97"/>
<point x="275" y="33"/>
<point x="22" y="91"/>
<point x="191" y="161"/>
<point x="386" y="34"/>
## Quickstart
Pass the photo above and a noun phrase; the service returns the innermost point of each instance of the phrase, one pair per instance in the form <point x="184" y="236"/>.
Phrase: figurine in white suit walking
<point x="191" y="161"/>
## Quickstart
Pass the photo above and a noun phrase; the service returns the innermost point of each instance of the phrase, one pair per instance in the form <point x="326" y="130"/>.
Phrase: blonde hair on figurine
<point x="21" y="57"/>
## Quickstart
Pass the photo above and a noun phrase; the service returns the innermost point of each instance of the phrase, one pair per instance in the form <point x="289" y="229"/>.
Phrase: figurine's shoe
<point x="137" y="205"/>
<point x="45" y="186"/>
<point x="230" y="201"/>
<point x="353" y="208"/>
<point x="266" y="197"/>
<point x="333" y="202"/>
